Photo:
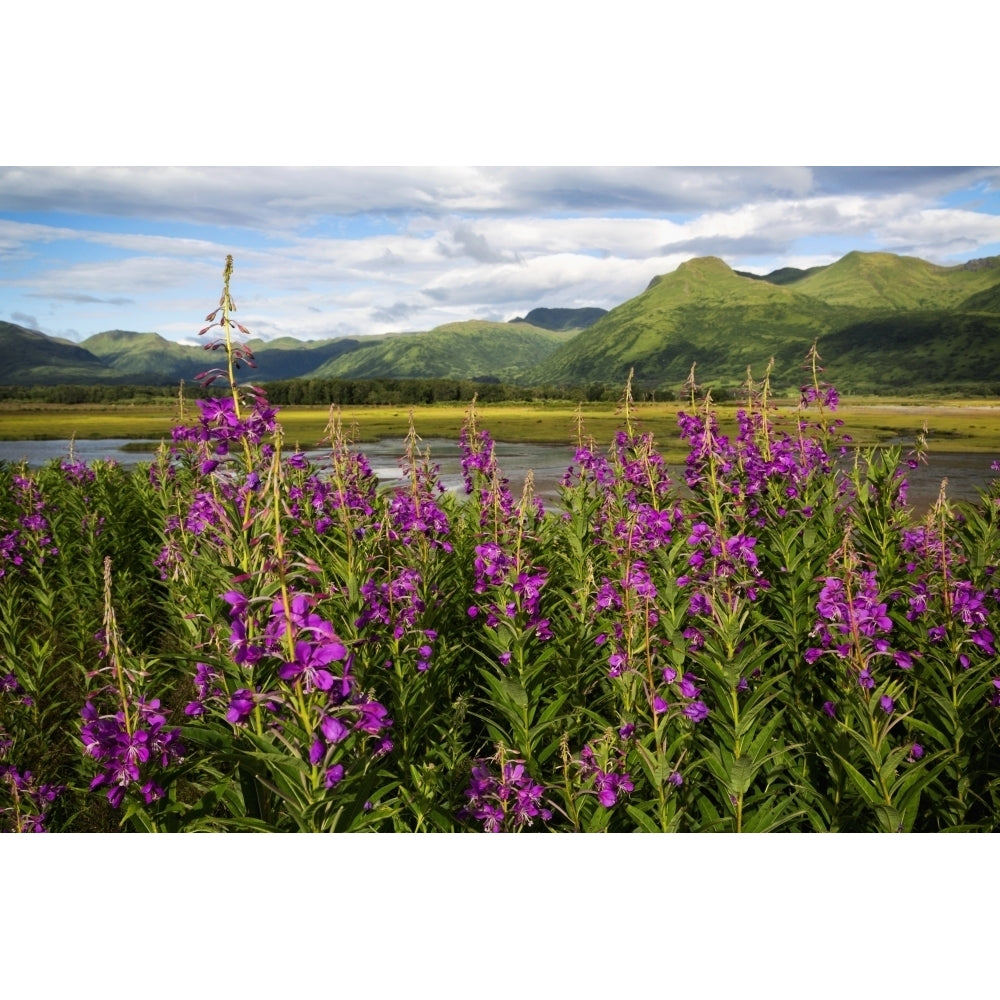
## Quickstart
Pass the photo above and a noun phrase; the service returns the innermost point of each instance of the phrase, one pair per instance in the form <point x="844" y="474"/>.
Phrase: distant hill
<point x="290" y="358"/>
<point x="562" y="319"/>
<point x="30" y="358"/>
<point x="883" y="323"/>
<point x="465" y="350"/>
<point x="885" y="281"/>
<point x="145" y="357"/>
<point x="784" y="275"/>
<point x="153" y="360"/>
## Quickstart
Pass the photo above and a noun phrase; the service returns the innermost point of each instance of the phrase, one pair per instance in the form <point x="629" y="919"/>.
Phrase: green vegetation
<point x="468" y="350"/>
<point x="562" y="319"/>
<point x="901" y="284"/>
<point x="872" y="315"/>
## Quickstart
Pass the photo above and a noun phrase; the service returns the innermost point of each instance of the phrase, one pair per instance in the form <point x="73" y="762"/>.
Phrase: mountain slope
<point x="562" y="319"/>
<point x="30" y="358"/>
<point x="465" y="350"/>
<point x="701" y="313"/>
<point x="883" y="323"/>
<point x="885" y="281"/>
<point x="149" y="358"/>
<point x="146" y="357"/>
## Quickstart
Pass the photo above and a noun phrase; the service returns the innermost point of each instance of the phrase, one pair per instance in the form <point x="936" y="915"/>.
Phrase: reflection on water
<point x="37" y="453"/>
<point x="966" y="473"/>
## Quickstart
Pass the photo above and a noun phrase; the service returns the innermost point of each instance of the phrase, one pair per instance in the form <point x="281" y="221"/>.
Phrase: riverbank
<point x="966" y="426"/>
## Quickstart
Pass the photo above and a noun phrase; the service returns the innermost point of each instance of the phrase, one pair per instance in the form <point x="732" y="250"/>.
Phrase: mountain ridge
<point x="883" y="322"/>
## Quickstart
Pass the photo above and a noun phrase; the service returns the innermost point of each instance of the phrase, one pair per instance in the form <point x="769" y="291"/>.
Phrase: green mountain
<point x="31" y="358"/>
<point x="290" y="358"/>
<point x="885" y="281"/>
<point x="145" y="357"/>
<point x="705" y="314"/>
<point x="474" y="349"/>
<point x="150" y="359"/>
<point x="784" y="275"/>
<point x="883" y="324"/>
<point x="562" y="319"/>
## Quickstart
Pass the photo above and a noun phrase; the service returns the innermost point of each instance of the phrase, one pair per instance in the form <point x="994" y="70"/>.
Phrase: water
<point x="966" y="473"/>
<point x="38" y="453"/>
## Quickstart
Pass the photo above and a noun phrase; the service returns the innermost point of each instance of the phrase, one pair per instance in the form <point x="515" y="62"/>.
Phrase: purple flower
<point x="616" y="661"/>
<point x="333" y="729"/>
<point x="310" y="660"/>
<point x="696" y="711"/>
<point x="886" y="704"/>
<point x="687" y="686"/>
<point x="240" y="706"/>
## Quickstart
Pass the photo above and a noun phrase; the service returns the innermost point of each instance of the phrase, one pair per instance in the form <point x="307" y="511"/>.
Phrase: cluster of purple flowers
<point x="640" y="469"/>
<point x="33" y="537"/>
<point x="221" y="424"/>
<point x="396" y="607"/>
<point x="414" y="513"/>
<point x="30" y="799"/>
<point x="823" y="393"/>
<point x="11" y="552"/>
<point x="686" y="690"/>
<point x="321" y="501"/>
<point x="594" y="467"/>
<point x="726" y="553"/>
<point x="958" y="609"/>
<point x="411" y="514"/>
<point x="647" y="528"/>
<point x="310" y="657"/>
<point x="507" y="802"/>
<point x="634" y="591"/>
<point x="761" y="462"/>
<point x="127" y="750"/>
<point x="605" y="770"/>
<point x="482" y="477"/>
<point x="313" y="645"/>
<point x="513" y="594"/>
<point x="854" y="626"/>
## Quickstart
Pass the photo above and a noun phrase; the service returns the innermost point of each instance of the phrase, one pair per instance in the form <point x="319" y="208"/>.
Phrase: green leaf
<point x="868" y="791"/>
<point x="644" y="823"/>
<point x="514" y="690"/>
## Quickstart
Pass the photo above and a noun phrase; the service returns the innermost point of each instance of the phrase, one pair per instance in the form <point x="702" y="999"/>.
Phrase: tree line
<point x="322" y="392"/>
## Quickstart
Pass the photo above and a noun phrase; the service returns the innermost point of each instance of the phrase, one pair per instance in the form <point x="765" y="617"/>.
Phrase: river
<point x="966" y="473"/>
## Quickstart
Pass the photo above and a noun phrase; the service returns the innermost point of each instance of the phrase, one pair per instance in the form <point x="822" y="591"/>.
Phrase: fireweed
<point x="24" y="799"/>
<point x="124" y="731"/>
<point x="507" y="802"/>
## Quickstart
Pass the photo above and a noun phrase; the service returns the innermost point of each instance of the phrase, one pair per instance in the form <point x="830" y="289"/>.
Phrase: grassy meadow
<point x="970" y="425"/>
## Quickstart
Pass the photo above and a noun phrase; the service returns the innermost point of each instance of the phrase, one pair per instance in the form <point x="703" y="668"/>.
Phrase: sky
<point x="326" y="252"/>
